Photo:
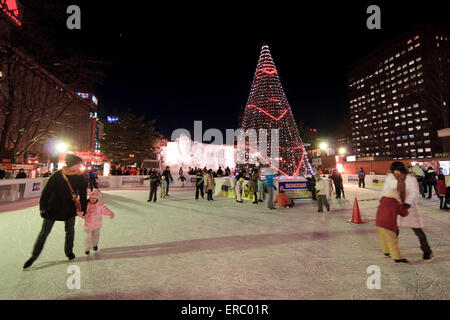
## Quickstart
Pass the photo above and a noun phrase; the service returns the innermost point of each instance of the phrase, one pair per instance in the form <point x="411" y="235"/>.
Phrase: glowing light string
<point x="268" y="114"/>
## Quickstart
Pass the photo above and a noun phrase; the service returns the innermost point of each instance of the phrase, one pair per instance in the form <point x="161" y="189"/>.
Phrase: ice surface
<point x="180" y="248"/>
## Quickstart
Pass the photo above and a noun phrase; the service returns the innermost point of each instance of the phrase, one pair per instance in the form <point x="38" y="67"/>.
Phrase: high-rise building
<point x="400" y="94"/>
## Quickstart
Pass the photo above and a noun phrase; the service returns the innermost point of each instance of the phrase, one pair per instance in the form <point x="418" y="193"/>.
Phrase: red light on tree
<point x="10" y="8"/>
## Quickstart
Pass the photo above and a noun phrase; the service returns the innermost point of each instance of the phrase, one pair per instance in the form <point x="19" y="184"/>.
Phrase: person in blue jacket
<point x="270" y="187"/>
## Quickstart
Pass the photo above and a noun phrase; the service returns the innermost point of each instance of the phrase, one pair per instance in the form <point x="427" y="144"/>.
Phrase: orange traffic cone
<point x="356" y="218"/>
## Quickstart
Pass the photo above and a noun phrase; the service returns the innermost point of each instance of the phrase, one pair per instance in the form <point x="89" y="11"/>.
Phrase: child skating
<point x="386" y="223"/>
<point x="238" y="189"/>
<point x="93" y="220"/>
<point x="162" y="190"/>
<point x="183" y="179"/>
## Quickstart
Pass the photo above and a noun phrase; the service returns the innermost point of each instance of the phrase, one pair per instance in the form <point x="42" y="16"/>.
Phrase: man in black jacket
<point x="168" y="176"/>
<point x="57" y="204"/>
<point x="154" y="182"/>
<point x="199" y="184"/>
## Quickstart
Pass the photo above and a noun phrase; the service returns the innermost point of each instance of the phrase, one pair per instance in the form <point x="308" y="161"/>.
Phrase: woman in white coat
<point x="413" y="219"/>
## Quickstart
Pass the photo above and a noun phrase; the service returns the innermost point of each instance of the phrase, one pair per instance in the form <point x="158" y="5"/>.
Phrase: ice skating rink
<point x="180" y="248"/>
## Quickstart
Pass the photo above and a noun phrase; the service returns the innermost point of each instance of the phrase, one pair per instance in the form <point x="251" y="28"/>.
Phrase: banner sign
<point x="86" y="156"/>
<point x="295" y="190"/>
<point x="353" y="178"/>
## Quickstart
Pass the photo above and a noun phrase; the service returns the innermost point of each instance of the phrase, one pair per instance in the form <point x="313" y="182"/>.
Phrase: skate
<point x="71" y="256"/>
<point x="87" y="252"/>
<point x="401" y="261"/>
<point x="427" y="256"/>
<point x="28" y="263"/>
<point x="95" y="248"/>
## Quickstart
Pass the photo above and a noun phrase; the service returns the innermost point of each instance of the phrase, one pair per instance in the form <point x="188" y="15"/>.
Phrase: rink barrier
<point x="370" y="180"/>
<point x="12" y="190"/>
<point x="17" y="189"/>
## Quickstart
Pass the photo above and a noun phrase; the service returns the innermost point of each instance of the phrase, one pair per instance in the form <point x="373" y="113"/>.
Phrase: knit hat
<point x="94" y="194"/>
<point x="72" y="159"/>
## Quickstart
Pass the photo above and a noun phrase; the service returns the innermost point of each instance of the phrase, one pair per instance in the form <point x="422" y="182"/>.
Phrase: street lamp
<point x="323" y="146"/>
<point x="61" y="147"/>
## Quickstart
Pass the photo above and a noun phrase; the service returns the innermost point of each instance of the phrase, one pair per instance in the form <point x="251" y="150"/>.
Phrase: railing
<point x="17" y="189"/>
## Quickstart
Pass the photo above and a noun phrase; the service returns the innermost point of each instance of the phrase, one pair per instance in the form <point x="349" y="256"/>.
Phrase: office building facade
<point x="399" y="96"/>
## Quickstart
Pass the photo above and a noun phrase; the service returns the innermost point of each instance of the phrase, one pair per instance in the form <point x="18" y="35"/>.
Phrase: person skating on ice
<point x="414" y="219"/>
<point x="199" y="184"/>
<point x="182" y="178"/>
<point x="270" y="186"/>
<point x="386" y="222"/>
<point x="254" y="178"/>
<point x="59" y="203"/>
<point x="93" y="221"/>
<point x="321" y="194"/>
<point x="154" y="181"/>
<point x="361" y="178"/>
<point x="238" y="189"/>
<point x="169" y="178"/>
<point x="430" y="178"/>
<point x="162" y="189"/>
<point x="210" y="184"/>
<point x="442" y="190"/>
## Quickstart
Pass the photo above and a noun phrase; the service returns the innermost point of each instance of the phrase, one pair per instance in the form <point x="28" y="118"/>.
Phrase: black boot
<point x="29" y="263"/>
<point x="71" y="256"/>
<point x="427" y="256"/>
<point x="87" y="252"/>
<point x="401" y="261"/>
<point x="95" y="248"/>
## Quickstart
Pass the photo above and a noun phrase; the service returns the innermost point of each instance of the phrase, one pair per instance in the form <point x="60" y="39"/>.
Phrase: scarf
<point x="401" y="186"/>
<point x="69" y="172"/>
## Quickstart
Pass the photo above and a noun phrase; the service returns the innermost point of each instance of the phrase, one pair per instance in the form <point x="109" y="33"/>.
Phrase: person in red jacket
<point x="441" y="191"/>
<point x="283" y="200"/>
<point x="386" y="223"/>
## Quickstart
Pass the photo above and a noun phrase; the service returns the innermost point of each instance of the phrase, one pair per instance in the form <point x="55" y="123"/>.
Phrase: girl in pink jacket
<point x="93" y="220"/>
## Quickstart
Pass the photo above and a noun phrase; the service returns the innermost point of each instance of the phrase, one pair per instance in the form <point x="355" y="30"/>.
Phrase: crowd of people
<point x="398" y="202"/>
<point x="129" y="171"/>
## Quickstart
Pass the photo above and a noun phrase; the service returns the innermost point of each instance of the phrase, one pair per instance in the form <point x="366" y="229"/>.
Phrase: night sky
<point x="180" y="63"/>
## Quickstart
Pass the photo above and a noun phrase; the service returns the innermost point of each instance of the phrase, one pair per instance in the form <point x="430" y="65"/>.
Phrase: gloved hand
<point x="80" y="214"/>
<point x="44" y="213"/>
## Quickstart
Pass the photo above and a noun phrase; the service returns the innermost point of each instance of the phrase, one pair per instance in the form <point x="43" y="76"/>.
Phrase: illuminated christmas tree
<point x="268" y="108"/>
